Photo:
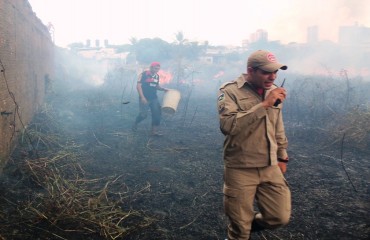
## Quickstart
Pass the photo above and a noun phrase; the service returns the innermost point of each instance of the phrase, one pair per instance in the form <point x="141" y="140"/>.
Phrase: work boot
<point x="155" y="132"/>
<point x="255" y="226"/>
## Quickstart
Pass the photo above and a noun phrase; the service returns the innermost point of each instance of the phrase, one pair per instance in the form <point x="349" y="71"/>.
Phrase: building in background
<point x="259" y="36"/>
<point x="312" y="34"/>
<point x="356" y="35"/>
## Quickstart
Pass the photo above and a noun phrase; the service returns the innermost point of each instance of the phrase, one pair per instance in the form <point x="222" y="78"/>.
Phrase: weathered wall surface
<point x="26" y="62"/>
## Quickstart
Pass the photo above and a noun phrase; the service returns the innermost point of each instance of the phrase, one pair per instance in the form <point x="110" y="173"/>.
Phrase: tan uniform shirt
<point x="254" y="136"/>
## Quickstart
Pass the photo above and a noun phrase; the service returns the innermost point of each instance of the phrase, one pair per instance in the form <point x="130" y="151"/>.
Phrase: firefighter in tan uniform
<point x="255" y="154"/>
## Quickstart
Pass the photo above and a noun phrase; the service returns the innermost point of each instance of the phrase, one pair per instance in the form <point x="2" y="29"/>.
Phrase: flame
<point x="164" y="77"/>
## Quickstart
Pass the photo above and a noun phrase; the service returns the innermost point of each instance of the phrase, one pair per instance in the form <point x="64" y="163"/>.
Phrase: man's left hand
<point x="282" y="166"/>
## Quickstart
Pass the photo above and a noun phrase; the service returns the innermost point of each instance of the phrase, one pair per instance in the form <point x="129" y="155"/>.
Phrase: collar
<point x="242" y="80"/>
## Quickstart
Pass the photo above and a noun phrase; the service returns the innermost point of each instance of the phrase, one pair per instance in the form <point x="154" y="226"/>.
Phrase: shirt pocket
<point x="231" y="192"/>
<point x="246" y="103"/>
<point x="231" y="200"/>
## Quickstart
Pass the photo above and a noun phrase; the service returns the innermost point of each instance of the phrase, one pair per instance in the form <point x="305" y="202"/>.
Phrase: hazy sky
<point x="221" y="22"/>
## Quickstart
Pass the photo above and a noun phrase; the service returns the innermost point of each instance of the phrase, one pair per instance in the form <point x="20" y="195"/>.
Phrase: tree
<point x="75" y="46"/>
<point x="180" y="39"/>
<point x="149" y="50"/>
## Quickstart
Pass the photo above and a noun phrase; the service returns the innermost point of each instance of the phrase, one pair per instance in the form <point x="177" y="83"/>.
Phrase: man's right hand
<point x="277" y="93"/>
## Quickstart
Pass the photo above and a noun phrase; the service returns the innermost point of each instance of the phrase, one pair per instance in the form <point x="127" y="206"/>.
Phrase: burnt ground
<point x="176" y="180"/>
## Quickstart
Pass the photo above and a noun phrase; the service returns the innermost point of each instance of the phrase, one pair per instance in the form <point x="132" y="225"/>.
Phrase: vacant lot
<point x="81" y="173"/>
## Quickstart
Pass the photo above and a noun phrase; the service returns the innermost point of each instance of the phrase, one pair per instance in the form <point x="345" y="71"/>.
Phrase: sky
<point x="220" y="22"/>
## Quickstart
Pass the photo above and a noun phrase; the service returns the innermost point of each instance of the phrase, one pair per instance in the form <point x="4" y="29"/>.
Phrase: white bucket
<point x="171" y="99"/>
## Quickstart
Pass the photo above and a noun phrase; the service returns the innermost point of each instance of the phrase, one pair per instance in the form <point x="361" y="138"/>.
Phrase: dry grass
<point x="73" y="203"/>
<point x="354" y="127"/>
<point x="65" y="201"/>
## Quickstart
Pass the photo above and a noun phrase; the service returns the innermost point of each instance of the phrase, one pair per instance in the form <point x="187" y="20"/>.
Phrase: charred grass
<point x="79" y="172"/>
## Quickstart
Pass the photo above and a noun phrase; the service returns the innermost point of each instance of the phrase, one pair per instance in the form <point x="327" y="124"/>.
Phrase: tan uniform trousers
<point x="268" y="187"/>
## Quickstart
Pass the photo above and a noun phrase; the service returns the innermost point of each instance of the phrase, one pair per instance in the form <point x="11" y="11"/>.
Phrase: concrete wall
<point x="26" y="59"/>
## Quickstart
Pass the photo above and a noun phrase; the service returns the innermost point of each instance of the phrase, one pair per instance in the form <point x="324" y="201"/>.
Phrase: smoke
<point x="232" y="21"/>
<point x="294" y="17"/>
<point x="78" y="71"/>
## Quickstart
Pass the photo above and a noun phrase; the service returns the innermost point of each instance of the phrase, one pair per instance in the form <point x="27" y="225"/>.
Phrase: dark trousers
<point x="155" y="109"/>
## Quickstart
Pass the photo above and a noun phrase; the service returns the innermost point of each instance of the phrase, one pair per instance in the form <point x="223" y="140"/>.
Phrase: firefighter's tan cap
<point x="265" y="60"/>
